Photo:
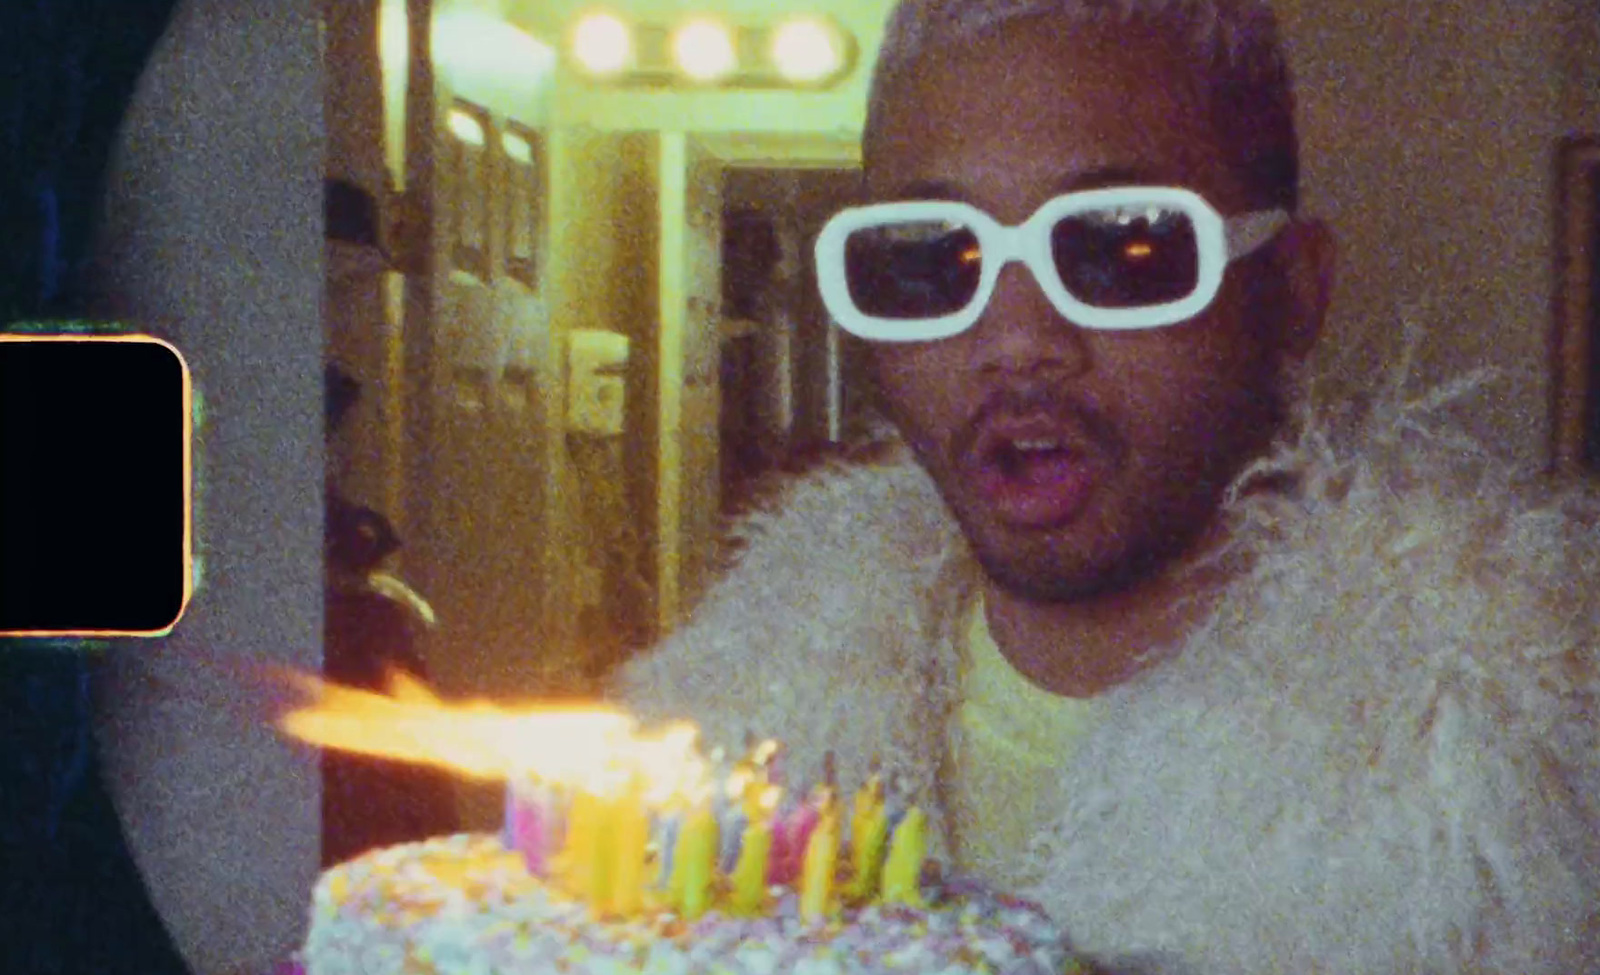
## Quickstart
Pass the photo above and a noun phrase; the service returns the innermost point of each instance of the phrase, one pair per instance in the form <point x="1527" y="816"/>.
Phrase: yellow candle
<point x="868" y="853"/>
<point x="816" y="877"/>
<point x="866" y="808"/>
<point x="902" y="872"/>
<point x="601" y="877"/>
<point x="632" y="840"/>
<point x="694" y="862"/>
<point x="750" y="874"/>
<point x="868" y="799"/>
<point x="581" y="827"/>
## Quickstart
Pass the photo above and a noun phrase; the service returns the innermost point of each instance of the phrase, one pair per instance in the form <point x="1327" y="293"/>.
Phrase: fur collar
<point x="1378" y="754"/>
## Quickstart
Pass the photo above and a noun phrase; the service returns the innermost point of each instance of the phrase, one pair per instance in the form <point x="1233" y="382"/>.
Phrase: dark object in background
<point x="350" y="215"/>
<point x="369" y="632"/>
<point x="750" y="256"/>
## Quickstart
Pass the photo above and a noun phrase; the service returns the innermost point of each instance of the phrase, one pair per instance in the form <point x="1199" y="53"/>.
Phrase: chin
<point x="1073" y="565"/>
<point x="1036" y="583"/>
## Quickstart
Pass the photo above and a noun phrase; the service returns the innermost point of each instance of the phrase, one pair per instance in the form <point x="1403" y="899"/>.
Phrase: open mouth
<point x="1031" y="460"/>
<point x="1034" y="481"/>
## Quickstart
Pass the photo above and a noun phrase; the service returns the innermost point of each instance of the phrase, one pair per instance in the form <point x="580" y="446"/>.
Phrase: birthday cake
<point x="465" y="904"/>
<point x="625" y="853"/>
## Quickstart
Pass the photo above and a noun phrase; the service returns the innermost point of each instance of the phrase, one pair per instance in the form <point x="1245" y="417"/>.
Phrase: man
<point x="1224" y="692"/>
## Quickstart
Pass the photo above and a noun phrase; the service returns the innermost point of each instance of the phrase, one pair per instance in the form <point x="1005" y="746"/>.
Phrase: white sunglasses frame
<point x="1219" y="240"/>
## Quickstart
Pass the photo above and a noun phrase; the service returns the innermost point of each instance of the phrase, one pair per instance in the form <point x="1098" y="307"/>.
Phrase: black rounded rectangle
<point x="95" y="486"/>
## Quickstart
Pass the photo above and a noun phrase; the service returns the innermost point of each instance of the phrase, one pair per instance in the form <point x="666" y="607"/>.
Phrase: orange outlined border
<point x="188" y="482"/>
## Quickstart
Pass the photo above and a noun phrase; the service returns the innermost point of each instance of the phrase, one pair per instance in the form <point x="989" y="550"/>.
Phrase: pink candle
<point x="782" y="826"/>
<point x="508" y="820"/>
<point x="527" y="828"/>
<point x="785" y="868"/>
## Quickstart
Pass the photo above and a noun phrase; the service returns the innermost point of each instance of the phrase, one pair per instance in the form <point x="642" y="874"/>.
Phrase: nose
<point x="1020" y="333"/>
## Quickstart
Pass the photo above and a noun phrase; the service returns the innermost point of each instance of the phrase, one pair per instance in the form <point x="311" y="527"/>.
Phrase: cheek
<point x="1193" y="393"/>
<point x="916" y="385"/>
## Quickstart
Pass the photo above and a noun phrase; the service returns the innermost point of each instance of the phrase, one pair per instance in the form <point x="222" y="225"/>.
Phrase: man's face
<point x="1076" y="461"/>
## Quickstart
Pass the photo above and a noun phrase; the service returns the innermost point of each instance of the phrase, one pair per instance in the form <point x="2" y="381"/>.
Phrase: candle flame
<point x="584" y="745"/>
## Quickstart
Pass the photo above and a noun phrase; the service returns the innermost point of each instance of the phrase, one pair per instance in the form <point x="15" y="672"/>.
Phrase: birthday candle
<point x="601" y="876"/>
<point x="720" y="776"/>
<point x="694" y="863"/>
<point x="508" y="821"/>
<point x="821" y="860"/>
<point x="528" y="828"/>
<point x="783" y="822"/>
<point x="802" y="823"/>
<point x="868" y="855"/>
<point x="868" y="799"/>
<point x="866" y="813"/>
<point x="749" y="875"/>
<point x="583" y="823"/>
<point x="731" y="814"/>
<point x="557" y="812"/>
<point x="667" y="825"/>
<point x="732" y="830"/>
<point x="902" y="872"/>
<point x="632" y="836"/>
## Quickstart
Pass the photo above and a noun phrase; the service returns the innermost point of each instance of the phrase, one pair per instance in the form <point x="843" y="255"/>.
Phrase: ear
<point x="1305" y="254"/>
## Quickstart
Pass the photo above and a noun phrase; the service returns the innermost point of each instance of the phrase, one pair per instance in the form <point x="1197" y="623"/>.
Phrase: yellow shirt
<point x="1009" y="742"/>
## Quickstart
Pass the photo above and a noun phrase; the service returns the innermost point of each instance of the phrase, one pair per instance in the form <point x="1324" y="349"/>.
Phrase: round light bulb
<point x="805" y="50"/>
<point x="704" y="50"/>
<point x="602" y="44"/>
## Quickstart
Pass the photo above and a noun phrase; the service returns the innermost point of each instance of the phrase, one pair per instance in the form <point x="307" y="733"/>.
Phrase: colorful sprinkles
<point x="463" y="905"/>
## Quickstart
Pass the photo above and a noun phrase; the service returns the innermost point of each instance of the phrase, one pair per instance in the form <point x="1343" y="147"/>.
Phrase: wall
<point x="213" y="235"/>
<point x="688" y="347"/>
<point x="1429" y="139"/>
<point x="604" y="262"/>
<point x="362" y="325"/>
<point x="1580" y="66"/>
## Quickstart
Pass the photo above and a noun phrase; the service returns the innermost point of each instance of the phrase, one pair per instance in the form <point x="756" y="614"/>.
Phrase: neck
<point x="1083" y="648"/>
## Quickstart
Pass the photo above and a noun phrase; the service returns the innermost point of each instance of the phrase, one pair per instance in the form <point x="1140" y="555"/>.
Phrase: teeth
<point x="1037" y="445"/>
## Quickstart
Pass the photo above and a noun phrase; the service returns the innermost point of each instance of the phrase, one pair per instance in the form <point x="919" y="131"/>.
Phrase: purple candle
<point x="527" y="825"/>
<point x="667" y="827"/>
<point x="732" y="834"/>
<point x="557" y="804"/>
<point x="508" y="821"/>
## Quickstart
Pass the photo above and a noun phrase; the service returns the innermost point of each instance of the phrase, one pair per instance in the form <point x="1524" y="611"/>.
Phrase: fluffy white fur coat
<point x="1379" y="756"/>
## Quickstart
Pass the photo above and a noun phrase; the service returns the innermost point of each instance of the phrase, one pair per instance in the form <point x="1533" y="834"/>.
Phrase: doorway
<point x="793" y="391"/>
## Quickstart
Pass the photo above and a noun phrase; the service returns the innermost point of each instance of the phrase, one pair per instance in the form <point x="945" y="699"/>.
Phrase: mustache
<point x="1021" y="401"/>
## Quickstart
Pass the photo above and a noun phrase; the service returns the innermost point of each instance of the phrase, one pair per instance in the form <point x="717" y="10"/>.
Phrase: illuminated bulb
<point x="466" y="128"/>
<point x="601" y="44"/>
<point x="704" y="50"/>
<point x="804" y="50"/>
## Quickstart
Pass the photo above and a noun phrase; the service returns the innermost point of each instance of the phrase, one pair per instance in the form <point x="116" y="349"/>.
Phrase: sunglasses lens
<point x="912" y="270"/>
<point x="1127" y="257"/>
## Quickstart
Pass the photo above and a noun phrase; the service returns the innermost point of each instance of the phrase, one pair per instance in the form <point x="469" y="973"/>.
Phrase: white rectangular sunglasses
<point x="1120" y="258"/>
